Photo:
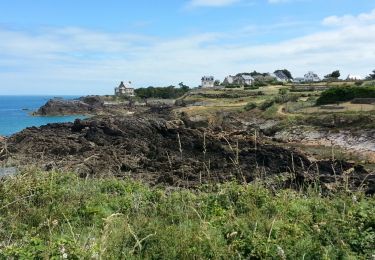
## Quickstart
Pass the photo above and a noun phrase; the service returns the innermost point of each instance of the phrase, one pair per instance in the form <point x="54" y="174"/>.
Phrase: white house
<point x="208" y="81"/>
<point x="354" y="77"/>
<point x="124" y="90"/>
<point x="240" y="79"/>
<point x="229" y="80"/>
<point x="245" y="80"/>
<point x="311" y="77"/>
<point x="280" y="76"/>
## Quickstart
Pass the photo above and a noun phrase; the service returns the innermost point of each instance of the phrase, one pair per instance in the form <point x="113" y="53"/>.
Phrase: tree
<point x="217" y="82"/>
<point x="371" y="76"/>
<point x="334" y="75"/>
<point x="286" y="73"/>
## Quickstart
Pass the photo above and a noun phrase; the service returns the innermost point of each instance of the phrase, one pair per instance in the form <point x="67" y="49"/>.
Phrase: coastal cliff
<point x="82" y="106"/>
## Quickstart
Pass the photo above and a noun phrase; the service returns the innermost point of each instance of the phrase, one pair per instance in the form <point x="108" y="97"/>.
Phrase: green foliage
<point x="371" y="76"/>
<point x="58" y="215"/>
<point x="233" y="86"/>
<point x="266" y="104"/>
<point x="334" y="75"/>
<point x="250" y="106"/>
<point x="342" y="94"/>
<point x="162" y="92"/>
<point x="258" y="83"/>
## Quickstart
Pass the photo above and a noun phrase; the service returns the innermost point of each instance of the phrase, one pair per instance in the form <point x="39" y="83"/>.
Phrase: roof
<point x="123" y="86"/>
<point x="281" y="75"/>
<point x="247" y="77"/>
<point x="208" y="78"/>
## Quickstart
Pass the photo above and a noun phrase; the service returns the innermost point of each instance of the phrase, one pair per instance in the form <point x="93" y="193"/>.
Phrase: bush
<point x="251" y="87"/>
<point x="232" y="86"/>
<point x="161" y="92"/>
<point x="266" y="104"/>
<point x="250" y="106"/>
<point x="342" y="94"/>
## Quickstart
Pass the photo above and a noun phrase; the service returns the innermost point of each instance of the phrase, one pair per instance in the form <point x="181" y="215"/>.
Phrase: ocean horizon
<point x="15" y="112"/>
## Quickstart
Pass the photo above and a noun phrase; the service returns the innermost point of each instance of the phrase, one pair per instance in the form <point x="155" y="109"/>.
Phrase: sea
<point x="15" y="113"/>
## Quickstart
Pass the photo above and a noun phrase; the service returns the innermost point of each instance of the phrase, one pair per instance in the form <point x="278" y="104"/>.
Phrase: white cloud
<point x="350" y="20"/>
<point x="77" y="60"/>
<point x="211" y="3"/>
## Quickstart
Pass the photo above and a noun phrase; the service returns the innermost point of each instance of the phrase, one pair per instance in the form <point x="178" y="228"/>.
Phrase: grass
<point x="58" y="215"/>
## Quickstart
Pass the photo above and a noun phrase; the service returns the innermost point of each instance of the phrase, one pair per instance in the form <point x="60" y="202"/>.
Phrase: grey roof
<point x="247" y="77"/>
<point x="281" y="75"/>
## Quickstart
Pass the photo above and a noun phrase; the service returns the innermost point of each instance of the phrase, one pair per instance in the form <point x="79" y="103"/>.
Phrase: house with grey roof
<point x="311" y="77"/>
<point x="125" y="90"/>
<point x="280" y="76"/>
<point x="208" y="82"/>
<point x="239" y="79"/>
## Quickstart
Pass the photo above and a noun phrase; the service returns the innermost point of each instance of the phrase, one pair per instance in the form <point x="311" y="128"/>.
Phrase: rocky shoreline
<point x="169" y="152"/>
<point x="83" y="106"/>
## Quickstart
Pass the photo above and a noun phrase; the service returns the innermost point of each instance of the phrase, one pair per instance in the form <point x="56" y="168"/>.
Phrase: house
<point x="280" y="76"/>
<point x="311" y="77"/>
<point x="244" y="80"/>
<point x="354" y="77"/>
<point x="239" y="79"/>
<point x="208" y="82"/>
<point x="125" y="90"/>
<point x="229" y="80"/>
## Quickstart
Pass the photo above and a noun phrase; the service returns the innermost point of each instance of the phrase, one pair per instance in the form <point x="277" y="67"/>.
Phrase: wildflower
<point x="281" y="252"/>
<point x="55" y="222"/>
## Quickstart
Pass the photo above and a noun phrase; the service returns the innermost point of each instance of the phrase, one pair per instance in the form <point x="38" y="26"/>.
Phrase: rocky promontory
<point x="170" y="152"/>
<point x="82" y="106"/>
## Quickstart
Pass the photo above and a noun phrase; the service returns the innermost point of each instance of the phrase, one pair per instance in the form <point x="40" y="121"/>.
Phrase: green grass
<point x="51" y="215"/>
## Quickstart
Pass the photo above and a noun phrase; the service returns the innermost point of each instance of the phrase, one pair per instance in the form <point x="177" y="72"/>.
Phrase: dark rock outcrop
<point x="161" y="151"/>
<point x="83" y="106"/>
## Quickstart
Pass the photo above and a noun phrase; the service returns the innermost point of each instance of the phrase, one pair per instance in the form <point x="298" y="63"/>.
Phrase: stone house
<point x="125" y="90"/>
<point x="208" y="82"/>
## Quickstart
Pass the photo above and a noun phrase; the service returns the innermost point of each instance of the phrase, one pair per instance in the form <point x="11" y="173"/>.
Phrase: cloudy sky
<point x="88" y="46"/>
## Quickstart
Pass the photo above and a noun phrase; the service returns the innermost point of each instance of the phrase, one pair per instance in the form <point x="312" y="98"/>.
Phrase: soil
<point x="159" y="150"/>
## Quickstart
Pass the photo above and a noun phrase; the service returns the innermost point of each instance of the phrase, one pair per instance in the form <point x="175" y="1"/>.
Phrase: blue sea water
<point x="15" y="113"/>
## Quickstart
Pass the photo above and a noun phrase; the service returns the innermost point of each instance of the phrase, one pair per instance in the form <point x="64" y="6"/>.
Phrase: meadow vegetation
<point x="58" y="215"/>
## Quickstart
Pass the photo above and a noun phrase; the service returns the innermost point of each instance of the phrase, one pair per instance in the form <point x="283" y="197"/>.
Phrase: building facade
<point x="208" y="82"/>
<point x="311" y="77"/>
<point x="125" y="90"/>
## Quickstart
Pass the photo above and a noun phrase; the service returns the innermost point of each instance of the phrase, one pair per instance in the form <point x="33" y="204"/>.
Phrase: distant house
<point x="280" y="76"/>
<point x="244" y="80"/>
<point x="208" y="82"/>
<point x="354" y="77"/>
<point x="124" y="90"/>
<point x="229" y="80"/>
<point x="239" y="79"/>
<point x="311" y="77"/>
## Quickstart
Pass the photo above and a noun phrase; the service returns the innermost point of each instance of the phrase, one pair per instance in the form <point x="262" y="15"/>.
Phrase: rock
<point x="2" y="139"/>
<point x="194" y="121"/>
<point x="160" y="151"/>
<point x="82" y="106"/>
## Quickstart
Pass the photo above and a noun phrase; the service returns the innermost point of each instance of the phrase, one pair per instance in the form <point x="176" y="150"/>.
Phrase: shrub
<point x="266" y="104"/>
<point x="250" y="106"/>
<point x="232" y="86"/>
<point x="342" y="94"/>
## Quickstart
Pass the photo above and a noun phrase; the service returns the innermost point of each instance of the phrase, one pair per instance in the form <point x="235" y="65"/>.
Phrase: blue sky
<point x="87" y="47"/>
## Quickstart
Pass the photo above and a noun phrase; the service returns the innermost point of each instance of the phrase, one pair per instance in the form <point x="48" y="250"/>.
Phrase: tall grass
<point x="58" y="215"/>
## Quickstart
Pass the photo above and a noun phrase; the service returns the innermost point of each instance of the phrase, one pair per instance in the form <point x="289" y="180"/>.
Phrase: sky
<point x="70" y="47"/>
